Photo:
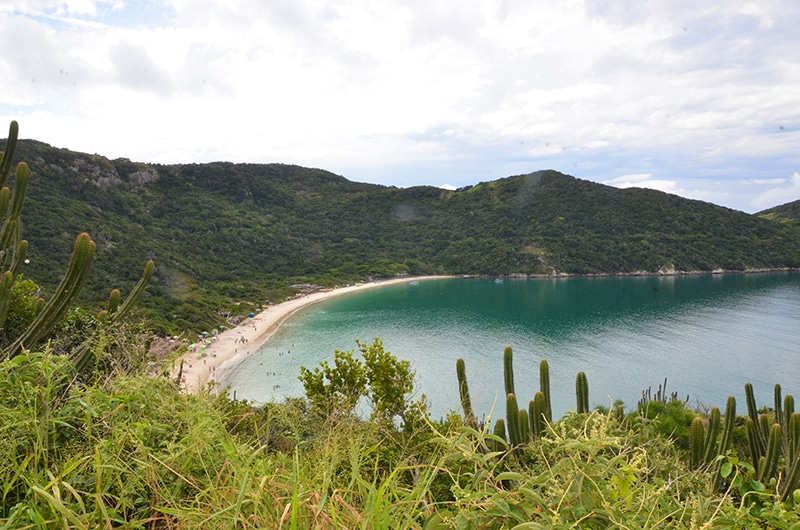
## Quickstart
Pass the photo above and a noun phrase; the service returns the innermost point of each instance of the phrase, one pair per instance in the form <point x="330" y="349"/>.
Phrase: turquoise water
<point x="707" y="335"/>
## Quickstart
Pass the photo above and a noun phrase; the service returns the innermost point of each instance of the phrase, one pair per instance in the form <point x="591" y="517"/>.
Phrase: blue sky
<point x="700" y="99"/>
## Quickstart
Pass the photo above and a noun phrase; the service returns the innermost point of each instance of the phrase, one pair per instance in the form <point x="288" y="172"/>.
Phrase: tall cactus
<point x="768" y="441"/>
<point x="508" y="370"/>
<point x="463" y="392"/>
<point x="512" y="418"/>
<point x="582" y="393"/>
<point x="524" y="426"/>
<point x="758" y="444"/>
<point x="544" y="387"/>
<point x="499" y="430"/>
<point x="12" y="247"/>
<point x="538" y="414"/>
<point x="7" y="157"/>
<point x="710" y="450"/>
<point x="12" y="253"/>
<point x="730" y="423"/>
<point x="113" y="314"/>
<point x="768" y="464"/>
<point x="65" y="295"/>
<point x="696" y="442"/>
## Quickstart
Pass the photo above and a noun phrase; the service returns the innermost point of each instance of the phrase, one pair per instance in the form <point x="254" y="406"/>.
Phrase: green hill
<point x="788" y="213"/>
<point x="222" y="233"/>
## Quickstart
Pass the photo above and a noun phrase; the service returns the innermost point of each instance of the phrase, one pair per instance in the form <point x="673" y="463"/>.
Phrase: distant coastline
<point x="630" y="274"/>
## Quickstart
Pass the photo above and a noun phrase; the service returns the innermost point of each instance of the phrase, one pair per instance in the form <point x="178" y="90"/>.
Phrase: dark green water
<point x="707" y="335"/>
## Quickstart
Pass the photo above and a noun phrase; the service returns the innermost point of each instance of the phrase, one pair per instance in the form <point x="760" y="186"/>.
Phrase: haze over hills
<point x="222" y="232"/>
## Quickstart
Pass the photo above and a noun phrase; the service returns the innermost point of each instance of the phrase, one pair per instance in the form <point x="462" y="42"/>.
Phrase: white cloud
<point x="703" y="96"/>
<point x="780" y="192"/>
<point x="646" y="180"/>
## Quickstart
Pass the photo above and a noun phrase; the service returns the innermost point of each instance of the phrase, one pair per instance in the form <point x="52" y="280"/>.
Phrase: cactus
<point x="768" y="464"/>
<point x="793" y="435"/>
<point x="710" y="450"/>
<point x="730" y="423"/>
<point x="11" y="145"/>
<point x="582" y="393"/>
<point x="524" y="426"/>
<point x="12" y="247"/>
<point x="696" y="442"/>
<point x="544" y="387"/>
<point x="769" y="441"/>
<point x="538" y="414"/>
<point x="65" y="295"/>
<point x="12" y="254"/>
<point x="759" y="442"/>
<point x="792" y="480"/>
<point x="463" y="391"/>
<point x="499" y="430"/>
<point x="508" y="370"/>
<point x="512" y="418"/>
<point x="113" y="314"/>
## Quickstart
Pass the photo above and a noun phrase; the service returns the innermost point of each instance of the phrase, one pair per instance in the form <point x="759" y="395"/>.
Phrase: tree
<point x="388" y="383"/>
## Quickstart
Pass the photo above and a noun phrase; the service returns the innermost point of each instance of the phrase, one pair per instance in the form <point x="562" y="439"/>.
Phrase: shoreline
<point x="207" y="363"/>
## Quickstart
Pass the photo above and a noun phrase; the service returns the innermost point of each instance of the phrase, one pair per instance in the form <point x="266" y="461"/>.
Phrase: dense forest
<point x="788" y="213"/>
<point x="224" y="234"/>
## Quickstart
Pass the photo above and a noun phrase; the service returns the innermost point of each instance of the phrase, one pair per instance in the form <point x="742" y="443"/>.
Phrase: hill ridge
<point x="225" y="232"/>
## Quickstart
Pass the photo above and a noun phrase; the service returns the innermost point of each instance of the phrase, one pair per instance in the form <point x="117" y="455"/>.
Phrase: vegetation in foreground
<point x="133" y="451"/>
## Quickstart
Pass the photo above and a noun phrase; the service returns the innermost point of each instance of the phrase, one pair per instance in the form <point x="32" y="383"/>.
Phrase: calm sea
<point x="707" y="335"/>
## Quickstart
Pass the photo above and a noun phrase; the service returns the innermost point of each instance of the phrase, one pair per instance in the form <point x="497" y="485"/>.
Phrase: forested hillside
<point x="222" y="233"/>
<point x="788" y="213"/>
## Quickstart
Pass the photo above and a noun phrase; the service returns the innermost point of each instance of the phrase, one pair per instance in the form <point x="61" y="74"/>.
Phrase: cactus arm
<point x="794" y="437"/>
<point x="770" y="467"/>
<point x="524" y="426"/>
<point x="512" y="417"/>
<point x="134" y="295"/>
<point x="752" y="435"/>
<point x="463" y="392"/>
<point x="539" y="414"/>
<point x="8" y="155"/>
<point x="752" y="413"/>
<point x="19" y="258"/>
<point x="114" y="298"/>
<point x="582" y="393"/>
<point x="499" y="430"/>
<point x="508" y="371"/>
<point x="792" y="481"/>
<point x="696" y="442"/>
<point x="66" y="293"/>
<point x="544" y="387"/>
<point x="21" y="178"/>
<point x="5" y="196"/>
<point x="6" y="284"/>
<point x="730" y="423"/>
<point x="710" y="451"/>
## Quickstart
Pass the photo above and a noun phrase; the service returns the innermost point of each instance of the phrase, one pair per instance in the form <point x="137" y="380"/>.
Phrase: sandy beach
<point x="208" y="361"/>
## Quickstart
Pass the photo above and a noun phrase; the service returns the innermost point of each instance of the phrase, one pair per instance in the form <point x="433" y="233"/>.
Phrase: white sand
<point x="227" y="348"/>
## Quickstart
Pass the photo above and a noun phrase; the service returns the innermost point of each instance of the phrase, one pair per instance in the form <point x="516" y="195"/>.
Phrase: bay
<point x="706" y="334"/>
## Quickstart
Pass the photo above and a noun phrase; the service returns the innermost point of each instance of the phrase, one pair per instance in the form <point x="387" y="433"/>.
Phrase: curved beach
<point x="201" y="367"/>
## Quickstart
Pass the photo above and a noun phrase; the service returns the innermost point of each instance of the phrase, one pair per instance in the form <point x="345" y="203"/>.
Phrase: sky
<point x="699" y="99"/>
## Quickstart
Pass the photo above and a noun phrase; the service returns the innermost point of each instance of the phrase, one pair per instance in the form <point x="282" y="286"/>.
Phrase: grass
<point x="134" y="452"/>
